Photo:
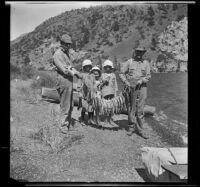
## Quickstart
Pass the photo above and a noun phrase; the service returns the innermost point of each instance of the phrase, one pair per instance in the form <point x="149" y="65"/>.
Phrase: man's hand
<point x="127" y="83"/>
<point x="66" y="72"/>
<point x="140" y="81"/>
<point x="144" y="80"/>
<point x="69" y="71"/>
<point x="78" y="75"/>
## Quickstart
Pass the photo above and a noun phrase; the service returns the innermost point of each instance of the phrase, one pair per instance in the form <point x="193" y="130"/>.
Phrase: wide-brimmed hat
<point x="86" y="62"/>
<point x="142" y="49"/>
<point x="108" y="63"/>
<point x="95" y="68"/>
<point x="65" y="38"/>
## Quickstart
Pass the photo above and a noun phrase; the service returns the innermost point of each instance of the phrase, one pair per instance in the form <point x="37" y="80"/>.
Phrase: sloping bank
<point x="164" y="93"/>
<point x="170" y="132"/>
<point x="168" y="93"/>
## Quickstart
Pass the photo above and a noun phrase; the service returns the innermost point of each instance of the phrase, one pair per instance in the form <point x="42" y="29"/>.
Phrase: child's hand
<point x="106" y="82"/>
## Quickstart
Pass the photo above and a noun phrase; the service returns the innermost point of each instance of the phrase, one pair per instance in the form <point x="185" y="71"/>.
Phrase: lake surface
<point x="168" y="92"/>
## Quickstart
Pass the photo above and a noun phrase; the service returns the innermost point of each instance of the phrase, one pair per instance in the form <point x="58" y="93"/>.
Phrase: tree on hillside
<point x="153" y="44"/>
<point x="26" y="60"/>
<point x="150" y="17"/>
<point x="115" y="26"/>
<point x="174" y="40"/>
<point x="174" y="7"/>
<point x="163" y="10"/>
<point x="150" y="11"/>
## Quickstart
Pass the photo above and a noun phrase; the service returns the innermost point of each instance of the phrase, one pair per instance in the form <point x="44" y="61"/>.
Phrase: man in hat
<point x="63" y="61"/>
<point x="135" y="73"/>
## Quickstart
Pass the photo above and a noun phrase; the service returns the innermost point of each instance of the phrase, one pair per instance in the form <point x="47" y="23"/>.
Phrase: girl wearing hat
<point x="109" y="91"/>
<point x="97" y="74"/>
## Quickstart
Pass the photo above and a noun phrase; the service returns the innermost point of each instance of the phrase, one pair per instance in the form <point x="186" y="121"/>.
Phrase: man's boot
<point x="143" y="134"/>
<point x="111" y="122"/>
<point x="141" y="123"/>
<point x="64" y="125"/>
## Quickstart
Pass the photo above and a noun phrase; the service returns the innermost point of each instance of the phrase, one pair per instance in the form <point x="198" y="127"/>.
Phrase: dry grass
<point x="47" y="79"/>
<point x="40" y="152"/>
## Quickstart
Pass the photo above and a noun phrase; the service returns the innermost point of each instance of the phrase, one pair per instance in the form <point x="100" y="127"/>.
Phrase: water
<point x="168" y="93"/>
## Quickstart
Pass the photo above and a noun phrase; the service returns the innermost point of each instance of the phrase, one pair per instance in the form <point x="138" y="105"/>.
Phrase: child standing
<point x="96" y="72"/>
<point x="109" y="91"/>
<point x="97" y="75"/>
<point x="87" y="82"/>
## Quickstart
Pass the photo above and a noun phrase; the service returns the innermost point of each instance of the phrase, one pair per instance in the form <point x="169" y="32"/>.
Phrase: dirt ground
<point x="39" y="152"/>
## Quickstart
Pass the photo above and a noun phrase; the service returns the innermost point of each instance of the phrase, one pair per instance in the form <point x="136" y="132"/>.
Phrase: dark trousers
<point x="135" y="106"/>
<point x="64" y="86"/>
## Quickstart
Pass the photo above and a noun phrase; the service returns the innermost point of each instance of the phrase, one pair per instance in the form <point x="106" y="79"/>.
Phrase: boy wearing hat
<point x="63" y="62"/>
<point x="135" y="73"/>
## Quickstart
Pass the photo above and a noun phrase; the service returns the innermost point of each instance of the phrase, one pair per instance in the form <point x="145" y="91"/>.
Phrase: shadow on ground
<point x="121" y="125"/>
<point x="142" y="173"/>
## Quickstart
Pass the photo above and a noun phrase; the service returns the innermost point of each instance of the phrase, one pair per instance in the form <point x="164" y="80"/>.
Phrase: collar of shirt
<point x="107" y="74"/>
<point x="64" y="51"/>
<point x="138" y="61"/>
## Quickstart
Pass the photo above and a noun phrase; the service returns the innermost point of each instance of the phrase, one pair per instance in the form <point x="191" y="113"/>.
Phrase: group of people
<point x="104" y="86"/>
<point x="135" y="73"/>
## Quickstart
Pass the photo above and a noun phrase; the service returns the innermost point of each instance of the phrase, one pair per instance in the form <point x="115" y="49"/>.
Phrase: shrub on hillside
<point x="27" y="72"/>
<point x="41" y="68"/>
<point x="14" y="71"/>
<point x="46" y="79"/>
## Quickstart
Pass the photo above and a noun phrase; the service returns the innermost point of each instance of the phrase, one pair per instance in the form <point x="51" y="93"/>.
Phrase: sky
<point x="26" y="16"/>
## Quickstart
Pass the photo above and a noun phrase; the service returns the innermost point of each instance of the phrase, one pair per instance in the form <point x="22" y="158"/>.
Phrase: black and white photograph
<point x="99" y="92"/>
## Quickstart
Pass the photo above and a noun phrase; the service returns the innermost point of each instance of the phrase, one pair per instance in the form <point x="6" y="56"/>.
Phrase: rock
<point x="11" y="119"/>
<point x="185" y="139"/>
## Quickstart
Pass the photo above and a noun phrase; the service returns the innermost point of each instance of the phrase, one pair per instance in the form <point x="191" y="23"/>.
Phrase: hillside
<point x="18" y="39"/>
<point x="104" y="31"/>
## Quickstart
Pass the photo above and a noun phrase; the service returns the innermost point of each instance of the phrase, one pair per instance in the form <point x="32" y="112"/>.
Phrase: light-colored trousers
<point x="64" y="86"/>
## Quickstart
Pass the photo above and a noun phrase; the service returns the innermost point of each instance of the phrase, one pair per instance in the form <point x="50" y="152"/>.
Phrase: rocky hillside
<point x="103" y="31"/>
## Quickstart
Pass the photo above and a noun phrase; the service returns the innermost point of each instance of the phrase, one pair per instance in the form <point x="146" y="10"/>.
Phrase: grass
<point x="39" y="152"/>
<point x="24" y="72"/>
<point x="47" y="79"/>
<point x="31" y="95"/>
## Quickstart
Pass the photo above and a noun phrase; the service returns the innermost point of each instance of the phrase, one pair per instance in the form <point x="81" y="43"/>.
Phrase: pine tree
<point x="26" y="60"/>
